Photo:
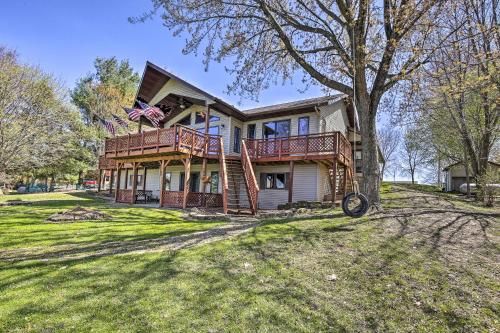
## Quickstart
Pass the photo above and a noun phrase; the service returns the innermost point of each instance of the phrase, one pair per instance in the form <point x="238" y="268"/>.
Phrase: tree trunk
<point x="370" y="166"/>
<point x="467" y="179"/>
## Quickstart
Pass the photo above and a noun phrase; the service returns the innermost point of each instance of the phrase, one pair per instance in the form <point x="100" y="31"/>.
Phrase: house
<point x="454" y="175"/>
<point x="209" y="153"/>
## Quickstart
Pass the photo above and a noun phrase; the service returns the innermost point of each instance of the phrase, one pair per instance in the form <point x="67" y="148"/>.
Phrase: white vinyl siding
<point x="305" y="184"/>
<point x="333" y="118"/>
<point x="294" y="121"/>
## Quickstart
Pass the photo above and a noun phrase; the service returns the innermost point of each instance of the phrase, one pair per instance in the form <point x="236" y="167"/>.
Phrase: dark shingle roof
<point x="295" y="104"/>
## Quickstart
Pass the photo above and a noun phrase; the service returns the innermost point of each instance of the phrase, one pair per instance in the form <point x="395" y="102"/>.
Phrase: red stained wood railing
<point x="177" y="137"/>
<point x="124" y="196"/>
<point x="223" y="171"/>
<point x="303" y="145"/>
<point x="250" y="180"/>
<point x="173" y="199"/>
<point x="106" y="163"/>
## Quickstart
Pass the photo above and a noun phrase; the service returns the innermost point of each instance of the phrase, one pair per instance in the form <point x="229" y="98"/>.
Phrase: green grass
<point x="272" y="279"/>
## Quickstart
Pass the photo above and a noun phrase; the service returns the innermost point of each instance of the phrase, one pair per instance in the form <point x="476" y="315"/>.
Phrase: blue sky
<point x="64" y="37"/>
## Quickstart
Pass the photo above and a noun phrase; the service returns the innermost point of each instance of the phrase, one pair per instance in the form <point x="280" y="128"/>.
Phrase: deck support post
<point x="144" y="178"/>
<point x="334" y="181"/>
<point x="135" y="170"/>
<point x="345" y="180"/>
<point x="111" y="181"/>
<point x="126" y="179"/>
<point x="163" y="166"/>
<point x="187" y="178"/>
<point x="118" y="179"/>
<point x="99" y="181"/>
<point x="290" y="183"/>
<point x="203" y="184"/>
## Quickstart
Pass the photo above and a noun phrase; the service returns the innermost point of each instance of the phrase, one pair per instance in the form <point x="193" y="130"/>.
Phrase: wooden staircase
<point x="240" y="188"/>
<point x="237" y="195"/>
<point x="338" y="176"/>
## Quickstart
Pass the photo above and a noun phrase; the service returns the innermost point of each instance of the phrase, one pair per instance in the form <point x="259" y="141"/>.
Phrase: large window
<point x="185" y="121"/>
<point x="212" y="130"/>
<point x="194" y="182"/>
<point x="276" y="129"/>
<point x="274" y="181"/>
<point x="303" y="125"/>
<point x="237" y="139"/>
<point x="214" y="184"/>
<point x="200" y="118"/>
<point x="168" y="180"/>
<point x="131" y="180"/>
<point x="251" y="131"/>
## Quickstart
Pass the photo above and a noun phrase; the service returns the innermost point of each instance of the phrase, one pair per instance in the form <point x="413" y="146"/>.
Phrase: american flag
<point x="120" y="121"/>
<point x="154" y="114"/>
<point x="108" y="125"/>
<point x="133" y="114"/>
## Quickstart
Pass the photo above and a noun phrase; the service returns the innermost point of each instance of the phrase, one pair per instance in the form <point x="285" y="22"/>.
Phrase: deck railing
<point x="249" y="175"/>
<point x="177" y="137"/>
<point x="300" y="146"/>
<point x="223" y="172"/>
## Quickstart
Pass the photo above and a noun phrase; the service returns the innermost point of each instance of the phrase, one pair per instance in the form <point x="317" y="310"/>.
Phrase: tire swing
<point x="355" y="204"/>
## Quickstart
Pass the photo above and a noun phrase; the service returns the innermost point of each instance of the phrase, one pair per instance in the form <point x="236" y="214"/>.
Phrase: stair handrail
<point x="251" y="181"/>
<point x="223" y="168"/>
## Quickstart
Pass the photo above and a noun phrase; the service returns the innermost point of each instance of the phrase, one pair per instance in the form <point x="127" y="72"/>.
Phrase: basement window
<point x="274" y="181"/>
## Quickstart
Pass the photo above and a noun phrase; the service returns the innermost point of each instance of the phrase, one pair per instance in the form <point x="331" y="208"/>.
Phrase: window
<point x="237" y="139"/>
<point x="303" y="125"/>
<point x="194" y="182"/>
<point x="274" y="181"/>
<point x="214" y="184"/>
<point x="276" y="129"/>
<point x="131" y="180"/>
<point x="200" y="118"/>
<point x="168" y="180"/>
<point x="251" y="131"/>
<point x="214" y="118"/>
<point x="359" y="160"/>
<point x="185" y="121"/>
<point x="212" y="130"/>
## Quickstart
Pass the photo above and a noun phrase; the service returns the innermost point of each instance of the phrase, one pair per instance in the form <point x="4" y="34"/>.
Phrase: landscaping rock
<point x="15" y="203"/>
<point x="77" y="214"/>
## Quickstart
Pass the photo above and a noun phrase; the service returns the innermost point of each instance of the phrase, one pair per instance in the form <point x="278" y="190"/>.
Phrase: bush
<point x="489" y="187"/>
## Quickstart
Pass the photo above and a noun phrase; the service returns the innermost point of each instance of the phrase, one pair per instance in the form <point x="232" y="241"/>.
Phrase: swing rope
<point x="355" y="184"/>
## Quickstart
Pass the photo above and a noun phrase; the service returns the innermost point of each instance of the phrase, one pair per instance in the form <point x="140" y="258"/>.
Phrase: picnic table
<point x="144" y="196"/>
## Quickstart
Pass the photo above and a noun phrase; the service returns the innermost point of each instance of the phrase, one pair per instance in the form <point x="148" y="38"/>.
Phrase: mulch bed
<point x="77" y="214"/>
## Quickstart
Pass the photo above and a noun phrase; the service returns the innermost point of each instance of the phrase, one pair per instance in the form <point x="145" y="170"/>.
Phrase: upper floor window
<point x="185" y="121"/>
<point x="237" y="139"/>
<point x="276" y="129"/>
<point x="303" y="125"/>
<point x="200" y="118"/>
<point x="212" y="130"/>
<point x="251" y="131"/>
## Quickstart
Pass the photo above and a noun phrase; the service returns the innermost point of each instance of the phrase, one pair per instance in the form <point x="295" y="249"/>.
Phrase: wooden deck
<point x="180" y="141"/>
<point x="320" y="146"/>
<point x="163" y="141"/>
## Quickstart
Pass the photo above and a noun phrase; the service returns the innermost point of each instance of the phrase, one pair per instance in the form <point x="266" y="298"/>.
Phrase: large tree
<point x="102" y="94"/>
<point x="338" y="44"/>
<point x="36" y="124"/>
<point x="463" y="83"/>
<point x="388" y="139"/>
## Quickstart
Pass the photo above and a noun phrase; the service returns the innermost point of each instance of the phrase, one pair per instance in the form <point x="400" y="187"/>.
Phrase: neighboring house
<point x="209" y="153"/>
<point x="454" y="175"/>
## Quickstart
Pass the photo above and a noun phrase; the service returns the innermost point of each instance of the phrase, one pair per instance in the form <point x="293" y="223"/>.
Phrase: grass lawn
<point x="425" y="264"/>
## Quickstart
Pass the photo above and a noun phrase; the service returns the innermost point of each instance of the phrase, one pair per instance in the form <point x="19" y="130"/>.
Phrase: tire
<point x="357" y="211"/>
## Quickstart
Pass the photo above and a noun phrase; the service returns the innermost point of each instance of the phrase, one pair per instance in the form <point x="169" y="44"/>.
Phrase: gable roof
<point x="154" y="81"/>
<point x="459" y="163"/>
